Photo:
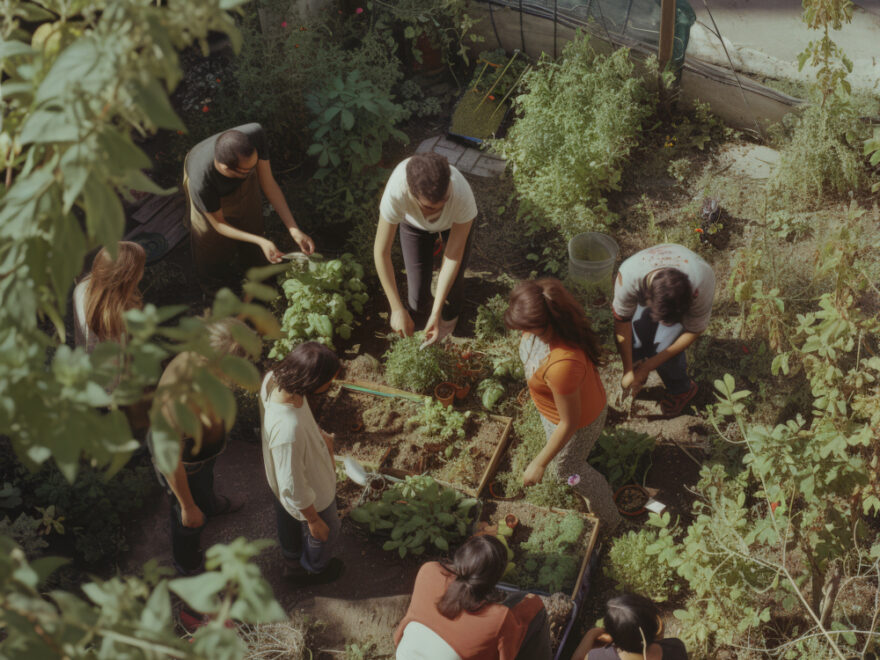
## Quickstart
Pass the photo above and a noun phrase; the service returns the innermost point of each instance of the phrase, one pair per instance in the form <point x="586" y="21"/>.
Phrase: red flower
<point x="745" y="349"/>
<point x="359" y="10"/>
<point x="773" y="506"/>
<point x="698" y="230"/>
<point x="218" y="79"/>
<point x="283" y="23"/>
<point x="205" y="108"/>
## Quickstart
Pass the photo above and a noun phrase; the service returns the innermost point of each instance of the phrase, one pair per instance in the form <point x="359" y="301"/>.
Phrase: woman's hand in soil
<point x="635" y="379"/>
<point x="319" y="530"/>
<point x="533" y="474"/>
<point x="305" y="242"/>
<point x="192" y="516"/>
<point x="270" y="251"/>
<point x="402" y="323"/>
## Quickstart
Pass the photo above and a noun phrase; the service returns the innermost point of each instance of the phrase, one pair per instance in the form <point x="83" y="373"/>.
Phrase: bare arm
<point x="276" y="198"/>
<point x="452" y="255"/>
<point x="587" y="643"/>
<point x="219" y="224"/>
<point x="190" y="514"/>
<point x="569" y="408"/>
<point x="401" y="322"/>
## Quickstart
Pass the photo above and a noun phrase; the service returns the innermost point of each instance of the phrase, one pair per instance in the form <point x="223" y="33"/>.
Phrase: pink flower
<point x="359" y="10"/>
<point x="574" y="480"/>
<point x="283" y="23"/>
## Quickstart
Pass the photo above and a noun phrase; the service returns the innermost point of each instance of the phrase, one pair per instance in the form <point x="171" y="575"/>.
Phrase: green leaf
<point x="105" y="218"/>
<point x="347" y="120"/>
<point x="154" y="102"/>
<point x="200" y="592"/>
<point x="240" y="371"/>
<point x="49" y="126"/>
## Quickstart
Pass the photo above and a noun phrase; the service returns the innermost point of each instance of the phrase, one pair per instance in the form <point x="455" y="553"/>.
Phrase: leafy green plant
<point x="633" y="569"/>
<point x="416" y="102"/>
<point x="25" y="531"/>
<point x="322" y="298"/>
<point x="576" y="125"/>
<point x="489" y="324"/>
<point x="353" y="120"/>
<point x="550" y="557"/>
<point x="409" y="367"/>
<point x="490" y="392"/>
<point x="435" y="420"/>
<point x="619" y="453"/>
<point x="530" y="439"/>
<point x="418" y="513"/>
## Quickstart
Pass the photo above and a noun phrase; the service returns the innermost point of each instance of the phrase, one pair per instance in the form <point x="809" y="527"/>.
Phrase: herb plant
<point x="619" y="453"/>
<point x="633" y="569"/>
<point x="576" y="126"/>
<point x="418" y="513"/>
<point x="322" y="298"/>
<point x="435" y="420"/>
<point x="490" y="391"/>
<point x="418" y="370"/>
<point x="550" y="558"/>
<point x="489" y="324"/>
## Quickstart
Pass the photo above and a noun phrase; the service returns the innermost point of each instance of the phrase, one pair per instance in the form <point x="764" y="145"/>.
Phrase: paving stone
<point x="427" y="145"/>
<point x="449" y="144"/>
<point x="468" y="159"/>
<point x="493" y="167"/>
<point x="452" y="155"/>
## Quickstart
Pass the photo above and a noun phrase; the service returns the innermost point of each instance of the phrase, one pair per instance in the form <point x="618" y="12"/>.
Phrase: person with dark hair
<point x="633" y="631"/>
<point x="425" y="196"/>
<point x="662" y="304"/>
<point x="191" y="483"/>
<point x="222" y="177"/>
<point x="298" y="457"/>
<point x="560" y="353"/>
<point x="454" y="614"/>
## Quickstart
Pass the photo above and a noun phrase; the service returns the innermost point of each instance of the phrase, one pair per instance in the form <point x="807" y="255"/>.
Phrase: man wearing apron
<point x="223" y="176"/>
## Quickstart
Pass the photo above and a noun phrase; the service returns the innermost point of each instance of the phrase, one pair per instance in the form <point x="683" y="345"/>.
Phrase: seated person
<point x="632" y="632"/>
<point x="662" y="303"/>
<point x="453" y="615"/>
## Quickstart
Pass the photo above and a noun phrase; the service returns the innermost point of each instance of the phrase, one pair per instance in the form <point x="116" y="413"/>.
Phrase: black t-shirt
<point x="206" y="184"/>
<point x="673" y="649"/>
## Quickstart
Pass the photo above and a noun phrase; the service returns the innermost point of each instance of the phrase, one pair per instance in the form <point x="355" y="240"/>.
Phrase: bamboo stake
<point x="498" y="80"/>
<point x="480" y="77"/>
<point x="510" y="91"/>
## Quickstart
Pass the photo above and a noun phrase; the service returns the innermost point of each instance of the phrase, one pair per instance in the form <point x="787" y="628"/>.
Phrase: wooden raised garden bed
<point x="372" y="428"/>
<point x="531" y="519"/>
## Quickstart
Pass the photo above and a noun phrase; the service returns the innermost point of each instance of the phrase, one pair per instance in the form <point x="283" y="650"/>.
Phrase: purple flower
<point x="574" y="480"/>
<point x="359" y="10"/>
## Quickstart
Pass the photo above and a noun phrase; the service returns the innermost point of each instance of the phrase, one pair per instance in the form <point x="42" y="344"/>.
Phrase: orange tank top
<point x="564" y="371"/>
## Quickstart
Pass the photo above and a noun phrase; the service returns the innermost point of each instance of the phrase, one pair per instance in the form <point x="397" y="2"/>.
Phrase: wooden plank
<point x="496" y="456"/>
<point x="153" y="206"/>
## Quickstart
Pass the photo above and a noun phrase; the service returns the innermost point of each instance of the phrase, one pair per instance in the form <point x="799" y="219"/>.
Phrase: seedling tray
<point x="494" y="510"/>
<point x="390" y="450"/>
<point x="472" y="126"/>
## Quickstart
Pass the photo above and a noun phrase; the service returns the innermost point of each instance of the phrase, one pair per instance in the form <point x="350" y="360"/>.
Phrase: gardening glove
<point x="402" y="323"/>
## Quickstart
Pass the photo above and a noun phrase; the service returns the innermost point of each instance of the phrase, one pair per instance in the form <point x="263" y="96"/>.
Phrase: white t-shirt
<point x="299" y="468"/>
<point x="399" y="205"/>
<point x="81" y="333"/>
<point x="631" y="280"/>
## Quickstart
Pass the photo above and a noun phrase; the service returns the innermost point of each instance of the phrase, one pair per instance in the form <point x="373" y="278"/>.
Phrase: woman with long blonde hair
<point x="106" y="293"/>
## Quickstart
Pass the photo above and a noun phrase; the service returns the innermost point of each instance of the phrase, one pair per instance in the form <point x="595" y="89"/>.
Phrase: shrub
<point x="409" y="367"/>
<point x="619" y="452"/>
<point x="633" y="569"/>
<point x="489" y="324"/>
<point x="320" y="297"/>
<point x="820" y="156"/>
<point x="578" y="120"/>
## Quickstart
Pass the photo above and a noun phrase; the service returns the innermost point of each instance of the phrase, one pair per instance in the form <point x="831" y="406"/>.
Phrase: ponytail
<point x="478" y="566"/>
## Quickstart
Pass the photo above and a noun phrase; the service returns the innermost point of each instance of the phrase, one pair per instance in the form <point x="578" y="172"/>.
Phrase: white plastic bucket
<point x="591" y="257"/>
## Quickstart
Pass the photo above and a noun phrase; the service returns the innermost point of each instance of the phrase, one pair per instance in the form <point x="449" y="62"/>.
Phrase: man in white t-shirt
<point x="425" y="196"/>
<point x="662" y="303"/>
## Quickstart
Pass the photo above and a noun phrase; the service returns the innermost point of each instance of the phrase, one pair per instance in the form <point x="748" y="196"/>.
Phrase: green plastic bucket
<point x="591" y="257"/>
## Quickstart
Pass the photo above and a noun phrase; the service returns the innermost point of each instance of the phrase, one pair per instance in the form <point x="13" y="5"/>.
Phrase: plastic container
<point x="591" y="257"/>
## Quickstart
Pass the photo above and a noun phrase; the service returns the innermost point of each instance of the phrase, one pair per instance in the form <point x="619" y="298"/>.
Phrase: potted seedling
<point x="631" y="499"/>
<point x="445" y="393"/>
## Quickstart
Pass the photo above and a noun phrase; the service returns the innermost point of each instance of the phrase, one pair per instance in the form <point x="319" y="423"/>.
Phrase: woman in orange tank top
<point x="560" y="352"/>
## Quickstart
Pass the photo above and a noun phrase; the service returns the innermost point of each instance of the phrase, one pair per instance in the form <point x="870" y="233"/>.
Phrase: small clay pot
<point x="377" y="484"/>
<point x="445" y="393"/>
<point x="511" y="521"/>
<point x="631" y="500"/>
<point x="461" y="391"/>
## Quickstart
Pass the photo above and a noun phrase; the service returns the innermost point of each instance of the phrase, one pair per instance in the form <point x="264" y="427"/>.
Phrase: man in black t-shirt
<point x="223" y="176"/>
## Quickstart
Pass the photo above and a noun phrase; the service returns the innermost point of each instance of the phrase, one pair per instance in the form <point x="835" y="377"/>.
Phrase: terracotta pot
<point x="511" y="520"/>
<point x="461" y="391"/>
<point x="625" y="493"/>
<point x="445" y="393"/>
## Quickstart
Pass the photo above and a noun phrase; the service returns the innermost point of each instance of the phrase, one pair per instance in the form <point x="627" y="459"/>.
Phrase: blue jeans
<point x="186" y="541"/>
<point x="650" y="338"/>
<point x="297" y="542"/>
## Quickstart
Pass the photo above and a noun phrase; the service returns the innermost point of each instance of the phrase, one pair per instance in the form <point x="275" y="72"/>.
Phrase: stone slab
<point x="468" y="160"/>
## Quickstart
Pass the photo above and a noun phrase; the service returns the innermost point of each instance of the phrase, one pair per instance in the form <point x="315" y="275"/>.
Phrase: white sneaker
<point x="446" y="328"/>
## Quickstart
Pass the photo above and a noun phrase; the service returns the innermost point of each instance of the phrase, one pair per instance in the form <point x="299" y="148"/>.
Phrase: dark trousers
<point x="186" y="541"/>
<point x="536" y="643"/>
<point x="418" y="258"/>
<point x="297" y="543"/>
<point x="673" y="372"/>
